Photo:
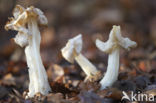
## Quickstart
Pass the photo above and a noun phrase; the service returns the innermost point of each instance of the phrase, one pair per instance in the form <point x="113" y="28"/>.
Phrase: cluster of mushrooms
<point x="27" y="22"/>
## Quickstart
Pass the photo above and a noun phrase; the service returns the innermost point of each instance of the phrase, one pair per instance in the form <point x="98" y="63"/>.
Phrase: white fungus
<point x="112" y="47"/>
<point x="72" y="51"/>
<point x="26" y="22"/>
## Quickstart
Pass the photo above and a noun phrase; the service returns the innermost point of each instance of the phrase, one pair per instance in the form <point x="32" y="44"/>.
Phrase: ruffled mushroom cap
<point x="72" y="48"/>
<point x="20" y="20"/>
<point x="115" y="40"/>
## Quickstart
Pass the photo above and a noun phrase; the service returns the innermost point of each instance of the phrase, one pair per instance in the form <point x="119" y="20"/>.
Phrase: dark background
<point x="92" y="18"/>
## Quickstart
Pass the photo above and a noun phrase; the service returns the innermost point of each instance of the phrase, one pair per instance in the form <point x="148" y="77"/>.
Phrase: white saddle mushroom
<point x="112" y="47"/>
<point x="26" y="22"/>
<point x="72" y="51"/>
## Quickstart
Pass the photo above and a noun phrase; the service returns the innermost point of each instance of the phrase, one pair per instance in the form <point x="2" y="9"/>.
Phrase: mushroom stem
<point x="89" y="69"/>
<point x="37" y="73"/>
<point x="112" y="69"/>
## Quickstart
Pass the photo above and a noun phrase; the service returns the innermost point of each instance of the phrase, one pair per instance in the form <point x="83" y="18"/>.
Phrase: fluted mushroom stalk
<point x="26" y="22"/>
<point x="112" y="47"/>
<point x="72" y="51"/>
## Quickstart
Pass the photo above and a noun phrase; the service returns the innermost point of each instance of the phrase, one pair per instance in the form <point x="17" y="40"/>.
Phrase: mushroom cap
<point x="21" y="39"/>
<point x="72" y="48"/>
<point x="21" y="19"/>
<point x="115" y="40"/>
<point x="22" y="16"/>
